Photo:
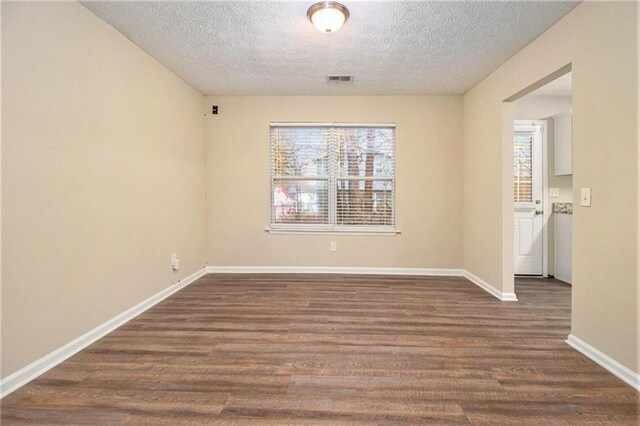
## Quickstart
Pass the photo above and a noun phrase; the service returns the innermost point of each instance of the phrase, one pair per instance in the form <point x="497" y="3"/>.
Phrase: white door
<point x="527" y="194"/>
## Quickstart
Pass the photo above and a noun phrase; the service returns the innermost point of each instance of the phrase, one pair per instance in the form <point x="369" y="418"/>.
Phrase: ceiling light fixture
<point x="328" y="16"/>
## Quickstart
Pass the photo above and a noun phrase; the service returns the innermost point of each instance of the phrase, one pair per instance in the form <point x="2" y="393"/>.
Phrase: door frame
<point x="544" y="181"/>
<point x="507" y="277"/>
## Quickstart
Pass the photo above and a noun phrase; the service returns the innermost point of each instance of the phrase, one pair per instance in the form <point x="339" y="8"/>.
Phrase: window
<point x="327" y="177"/>
<point x="522" y="168"/>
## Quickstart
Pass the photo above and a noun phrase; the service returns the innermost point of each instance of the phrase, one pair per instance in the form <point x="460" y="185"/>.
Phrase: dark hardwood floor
<point x="334" y="349"/>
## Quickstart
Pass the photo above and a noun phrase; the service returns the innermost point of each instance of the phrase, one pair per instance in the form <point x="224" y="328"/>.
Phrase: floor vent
<point x="339" y="78"/>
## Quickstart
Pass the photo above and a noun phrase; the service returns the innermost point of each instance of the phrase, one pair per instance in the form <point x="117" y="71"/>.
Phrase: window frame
<point x="526" y="128"/>
<point x="332" y="227"/>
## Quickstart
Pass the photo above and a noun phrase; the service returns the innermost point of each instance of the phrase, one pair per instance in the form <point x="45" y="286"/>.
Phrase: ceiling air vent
<point x="339" y="78"/>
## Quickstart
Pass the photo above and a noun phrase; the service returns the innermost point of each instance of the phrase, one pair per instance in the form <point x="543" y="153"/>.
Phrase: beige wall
<point x="102" y="172"/>
<point x="601" y="42"/>
<point x="1" y="180"/>
<point x="536" y="107"/>
<point x="543" y="108"/>
<point x="428" y="173"/>
<point x="104" y="151"/>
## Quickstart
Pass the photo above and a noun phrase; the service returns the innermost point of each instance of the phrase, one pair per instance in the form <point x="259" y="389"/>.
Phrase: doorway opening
<point x="542" y="182"/>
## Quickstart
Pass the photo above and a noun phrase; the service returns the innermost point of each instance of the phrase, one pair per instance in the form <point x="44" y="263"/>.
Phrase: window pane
<point x="365" y="151"/>
<point x="300" y="202"/>
<point x="300" y="151"/>
<point x="522" y="168"/>
<point x="332" y="175"/>
<point x="364" y="202"/>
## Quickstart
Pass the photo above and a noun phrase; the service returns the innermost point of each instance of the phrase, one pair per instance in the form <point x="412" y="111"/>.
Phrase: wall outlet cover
<point x="554" y="192"/>
<point x="585" y="197"/>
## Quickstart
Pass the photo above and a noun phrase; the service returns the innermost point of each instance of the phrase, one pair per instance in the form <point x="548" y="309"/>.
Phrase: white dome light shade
<point x="328" y="16"/>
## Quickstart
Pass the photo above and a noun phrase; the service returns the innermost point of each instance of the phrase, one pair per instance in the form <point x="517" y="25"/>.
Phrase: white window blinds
<point x="522" y="168"/>
<point x="332" y="177"/>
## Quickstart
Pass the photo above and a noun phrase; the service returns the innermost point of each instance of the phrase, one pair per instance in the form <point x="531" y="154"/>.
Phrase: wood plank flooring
<point x="334" y="349"/>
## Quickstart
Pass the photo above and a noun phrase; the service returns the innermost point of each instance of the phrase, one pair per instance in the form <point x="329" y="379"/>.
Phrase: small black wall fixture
<point x="214" y="109"/>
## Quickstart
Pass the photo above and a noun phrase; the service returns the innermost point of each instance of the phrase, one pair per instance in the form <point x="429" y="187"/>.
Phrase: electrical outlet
<point x="175" y="262"/>
<point x="333" y="246"/>
<point x="554" y="192"/>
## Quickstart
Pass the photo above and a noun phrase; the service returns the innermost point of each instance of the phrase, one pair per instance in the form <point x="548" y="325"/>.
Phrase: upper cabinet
<point x="562" y="144"/>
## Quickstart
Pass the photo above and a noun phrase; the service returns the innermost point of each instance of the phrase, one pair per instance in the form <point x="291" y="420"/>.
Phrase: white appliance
<point x="562" y="241"/>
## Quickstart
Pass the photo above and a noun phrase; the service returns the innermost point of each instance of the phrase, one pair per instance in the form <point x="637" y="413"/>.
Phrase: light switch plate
<point x="175" y="262"/>
<point x="554" y="192"/>
<point x="585" y="197"/>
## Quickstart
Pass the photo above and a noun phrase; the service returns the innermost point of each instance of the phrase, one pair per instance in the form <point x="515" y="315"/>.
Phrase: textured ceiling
<point x="560" y="87"/>
<point x="270" y="48"/>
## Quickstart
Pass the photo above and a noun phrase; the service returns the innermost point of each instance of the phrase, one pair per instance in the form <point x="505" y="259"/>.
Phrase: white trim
<point x="546" y="206"/>
<point x="329" y="124"/>
<point x="47" y="362"/>
<point x="376" y="125"/>
<point x="331" y="231"/>
<point x="300" y="124"/>
<point x="505" y="297"/>
<point x="625" y="374"/>
<point x="331" y="270"/>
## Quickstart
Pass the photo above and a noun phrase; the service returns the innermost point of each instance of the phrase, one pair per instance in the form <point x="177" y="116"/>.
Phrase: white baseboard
<point x="47" y="362"/>
<point x="505" y="297"/>
<point x="331" y="270"/>
<point x="625" y="374"/>
<point x="42" y="365"/>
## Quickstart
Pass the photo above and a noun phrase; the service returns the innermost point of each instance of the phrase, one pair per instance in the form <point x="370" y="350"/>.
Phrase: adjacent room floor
<point x="305" y="349"/>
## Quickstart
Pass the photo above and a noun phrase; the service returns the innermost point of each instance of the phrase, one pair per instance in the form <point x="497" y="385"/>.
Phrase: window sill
<point x="369" y="232"/>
